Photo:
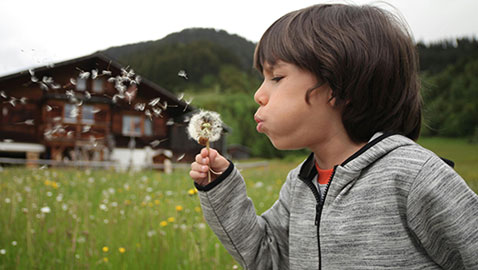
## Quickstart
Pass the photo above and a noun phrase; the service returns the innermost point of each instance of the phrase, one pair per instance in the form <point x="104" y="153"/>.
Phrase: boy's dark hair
<point x="363" y="53"/>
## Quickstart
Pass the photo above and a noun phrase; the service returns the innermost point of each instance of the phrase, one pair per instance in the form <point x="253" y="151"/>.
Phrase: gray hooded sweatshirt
<point x="393" y="205"/>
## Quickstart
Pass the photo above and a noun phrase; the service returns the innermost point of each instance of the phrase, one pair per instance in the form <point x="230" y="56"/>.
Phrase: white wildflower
<point x="45" y="210"/>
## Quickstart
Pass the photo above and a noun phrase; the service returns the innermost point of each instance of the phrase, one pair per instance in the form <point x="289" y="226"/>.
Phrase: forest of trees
<point x="221" y="78"/>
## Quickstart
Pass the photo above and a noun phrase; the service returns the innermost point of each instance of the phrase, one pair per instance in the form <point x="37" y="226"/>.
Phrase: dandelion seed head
<point x="205" y="125"/>
<point x="45" y="210"/>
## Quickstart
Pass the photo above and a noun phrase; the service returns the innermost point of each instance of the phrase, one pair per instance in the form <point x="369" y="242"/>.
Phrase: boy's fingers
<point x="201" y="160"/>
<point x="204" y="152"/>
<point x="197" y="176"/>
<point x="195" y="166"/>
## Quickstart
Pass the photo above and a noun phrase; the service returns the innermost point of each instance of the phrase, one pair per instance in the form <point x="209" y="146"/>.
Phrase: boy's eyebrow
<point x="270" y="67"/>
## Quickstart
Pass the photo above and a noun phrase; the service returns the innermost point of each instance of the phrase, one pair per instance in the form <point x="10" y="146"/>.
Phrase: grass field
<point x="100" y="219"/>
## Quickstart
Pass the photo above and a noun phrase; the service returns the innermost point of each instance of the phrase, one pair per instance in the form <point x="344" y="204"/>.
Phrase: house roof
<point x="183" y="107"/>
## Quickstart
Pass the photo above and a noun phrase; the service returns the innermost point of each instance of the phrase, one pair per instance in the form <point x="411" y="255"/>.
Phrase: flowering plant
<point x="205" y="127"/>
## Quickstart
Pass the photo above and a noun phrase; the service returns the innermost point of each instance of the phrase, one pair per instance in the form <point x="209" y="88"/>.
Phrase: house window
<point x="70" y="113"/>
<point x="131" y="125"/>
<point x="148" y="127"/>
<point x="98" y="86"/>
<point x="81" y="84"/>
<point x="87" y="115"/>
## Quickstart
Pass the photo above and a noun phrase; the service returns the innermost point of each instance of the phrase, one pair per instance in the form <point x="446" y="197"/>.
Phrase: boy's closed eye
<point x="277" y="78"/>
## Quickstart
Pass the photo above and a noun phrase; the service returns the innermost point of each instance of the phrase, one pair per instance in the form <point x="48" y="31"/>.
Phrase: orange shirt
<point x="324" y="175"/>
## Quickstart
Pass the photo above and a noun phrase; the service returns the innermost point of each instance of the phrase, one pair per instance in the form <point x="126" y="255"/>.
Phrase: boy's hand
<point x="204" y="161"/>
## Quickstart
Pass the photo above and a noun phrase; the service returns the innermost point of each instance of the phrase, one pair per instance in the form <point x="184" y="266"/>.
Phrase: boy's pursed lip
<point x="259" y="122"/>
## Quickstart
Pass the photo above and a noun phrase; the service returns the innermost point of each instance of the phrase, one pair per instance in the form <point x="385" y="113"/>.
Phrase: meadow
<point x="104" y="219"/>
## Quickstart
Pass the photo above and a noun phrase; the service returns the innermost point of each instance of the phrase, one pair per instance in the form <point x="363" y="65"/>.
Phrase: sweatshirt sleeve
<point x="443" y="214"/>
<point x="256" y="242"/>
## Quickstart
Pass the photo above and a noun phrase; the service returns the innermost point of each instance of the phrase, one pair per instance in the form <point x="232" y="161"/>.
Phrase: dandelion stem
<point x="208" y="171"/>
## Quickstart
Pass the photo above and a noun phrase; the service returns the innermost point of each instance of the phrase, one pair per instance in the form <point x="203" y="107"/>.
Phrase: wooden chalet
<point x="92" y="109"/>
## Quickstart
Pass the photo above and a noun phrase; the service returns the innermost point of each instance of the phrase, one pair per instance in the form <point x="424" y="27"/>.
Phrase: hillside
<point x="202" y="52"/>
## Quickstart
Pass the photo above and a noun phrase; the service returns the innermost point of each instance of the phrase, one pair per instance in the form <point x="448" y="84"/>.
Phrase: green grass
<point x="151" y="215"/>
<point x="460" y="151"/>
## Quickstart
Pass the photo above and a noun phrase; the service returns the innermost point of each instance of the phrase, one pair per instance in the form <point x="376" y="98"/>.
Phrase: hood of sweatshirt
<point x="378" y="146"/>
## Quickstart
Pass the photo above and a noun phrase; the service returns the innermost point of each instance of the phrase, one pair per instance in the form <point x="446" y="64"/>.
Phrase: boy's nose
<point x="260" y="97"/>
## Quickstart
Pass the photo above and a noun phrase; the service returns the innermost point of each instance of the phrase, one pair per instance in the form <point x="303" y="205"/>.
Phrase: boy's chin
<point x="283" y="145"/>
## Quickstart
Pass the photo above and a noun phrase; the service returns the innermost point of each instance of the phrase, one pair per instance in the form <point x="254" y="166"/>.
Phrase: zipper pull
<point x="317" y="217"/>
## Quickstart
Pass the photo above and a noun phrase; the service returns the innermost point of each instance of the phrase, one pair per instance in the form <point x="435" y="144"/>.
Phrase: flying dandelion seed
<point x="183" y="74"/>
<point x="170" y="122"/>
<point x="180" y="157"/>
<point x="106" y="73"/>
<point x="157" y="142"/>
<point x="94" y="74"/>
<point x="187" y="103"/>
<point x="164" y="106"/>
<point x="139" y="106"/>
<point x="153" y="102"/>
<point x="84" y="75"/>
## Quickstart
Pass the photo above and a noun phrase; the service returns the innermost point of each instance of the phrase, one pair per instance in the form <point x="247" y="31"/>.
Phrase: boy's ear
<point x="330" y="96"/>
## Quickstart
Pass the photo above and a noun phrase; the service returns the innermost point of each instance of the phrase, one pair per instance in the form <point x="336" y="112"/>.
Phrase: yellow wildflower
<point x="105" y="249"/>
<point x="192" y="191"/>
<point x="179" y="208"/>
<point x="122" y="250"/>
<point x="150" y="204"/>
<point x="163" y="223"/>
<point x="197" y="209"/>
<point x="156" y="202"/>
<point x="171" y="219"/>
<point x="54" y="185"/>
<point x="105" y="259"/>
<point x="47" y="182"/>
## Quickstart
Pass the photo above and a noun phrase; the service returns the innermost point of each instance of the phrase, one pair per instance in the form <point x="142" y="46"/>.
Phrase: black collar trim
<point x="367" y="146"/>
<point x="308" y="170"/>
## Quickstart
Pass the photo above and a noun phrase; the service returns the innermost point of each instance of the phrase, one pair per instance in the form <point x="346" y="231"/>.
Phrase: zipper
<point x="319" y="206"/>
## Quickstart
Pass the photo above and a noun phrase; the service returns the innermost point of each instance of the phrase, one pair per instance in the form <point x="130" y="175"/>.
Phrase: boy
<point x="342" y="81"/>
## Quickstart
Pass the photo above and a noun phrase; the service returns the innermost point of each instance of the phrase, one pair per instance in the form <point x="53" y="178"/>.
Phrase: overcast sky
<point x="36" y="33"/>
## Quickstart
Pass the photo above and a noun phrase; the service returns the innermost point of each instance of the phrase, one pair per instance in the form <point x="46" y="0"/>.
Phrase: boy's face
<point x="284" y="115"/>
